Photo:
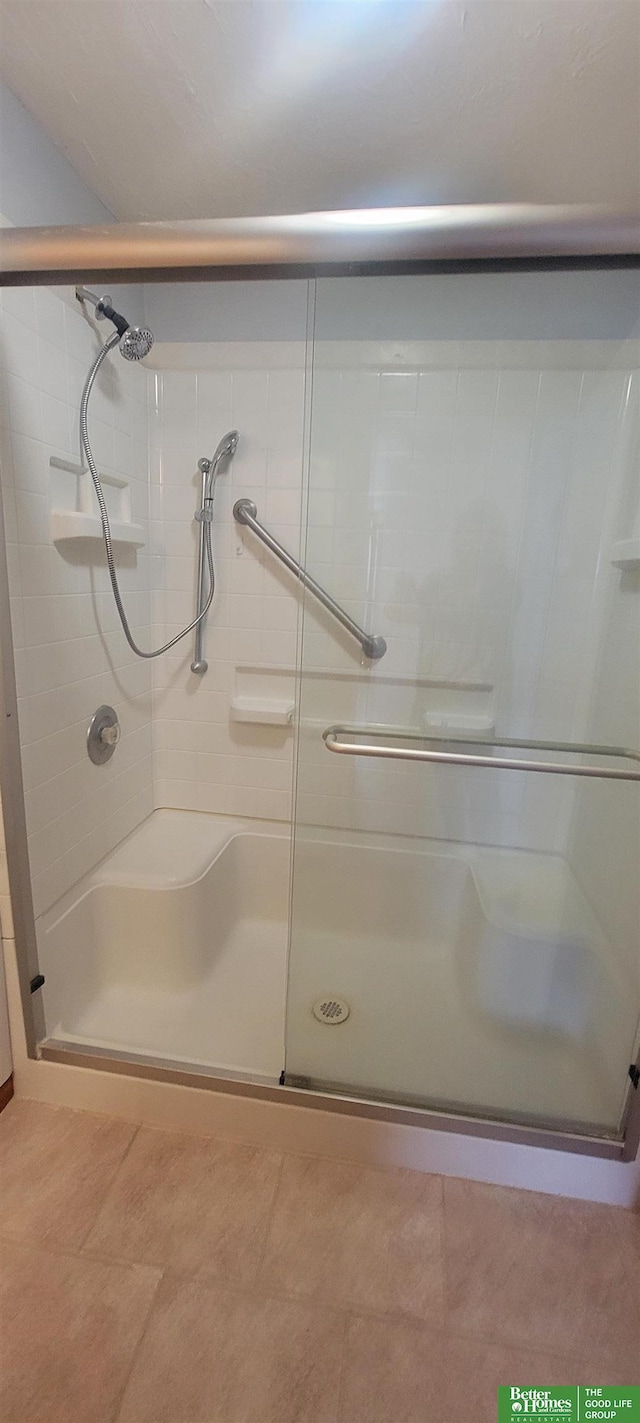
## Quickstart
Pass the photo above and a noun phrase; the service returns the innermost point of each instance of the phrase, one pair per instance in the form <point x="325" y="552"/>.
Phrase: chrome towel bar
<point x="245" y="512"/>
<point x="340" y="739"/>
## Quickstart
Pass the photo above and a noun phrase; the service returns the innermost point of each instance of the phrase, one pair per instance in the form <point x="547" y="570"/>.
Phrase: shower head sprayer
<point x="224" y="451"/>
<point x="227" y="447"/>
<point x="136" y="343"/>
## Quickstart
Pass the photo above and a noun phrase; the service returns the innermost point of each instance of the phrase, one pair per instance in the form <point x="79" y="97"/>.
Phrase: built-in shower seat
<point x="171" y="849"/>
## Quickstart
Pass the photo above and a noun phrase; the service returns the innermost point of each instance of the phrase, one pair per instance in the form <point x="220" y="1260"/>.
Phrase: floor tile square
<point x="209" y="1356"/>
<point x="56" y="1167"/>
<point x="199" y="1205"/>
<point x="536" y="1271"/>
<point x="357" y="1238"/>
<point x="69" y="1331"/>
<point x="397" y="1371"/>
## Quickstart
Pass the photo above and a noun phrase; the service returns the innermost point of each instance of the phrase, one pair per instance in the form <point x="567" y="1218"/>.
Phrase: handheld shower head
<point x="227" y="447"/>
<point x="224" y="451"/>
<point x="136" y="343"/>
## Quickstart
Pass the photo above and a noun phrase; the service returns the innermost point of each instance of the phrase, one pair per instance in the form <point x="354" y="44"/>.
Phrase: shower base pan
<point x="476" y="980"/>
<point x="175" y="947"/>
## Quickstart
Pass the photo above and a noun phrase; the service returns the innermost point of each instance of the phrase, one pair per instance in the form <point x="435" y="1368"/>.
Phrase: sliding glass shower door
<point x="464" y="932"/>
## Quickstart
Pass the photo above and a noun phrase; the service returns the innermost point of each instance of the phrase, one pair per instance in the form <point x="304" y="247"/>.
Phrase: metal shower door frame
<point x="12" y="813"/>
<point x="452" y="238"/>
<point x="350" y="243"/>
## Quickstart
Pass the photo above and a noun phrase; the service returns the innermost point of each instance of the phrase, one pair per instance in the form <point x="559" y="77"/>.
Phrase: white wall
<point x="480" y="306"/>
<point x="457" y="509"/>
<point x="458" y="489"/>
<point x="226" y="311"/>
<point x="458" y="492"/>
<point x="37" y="186"/>
<point x="204" y="761"/>
<point x="463" y="306"/>
<point x="605" y="833"/>
<point x="37" y="183"/>
<point x="70" y="655"/>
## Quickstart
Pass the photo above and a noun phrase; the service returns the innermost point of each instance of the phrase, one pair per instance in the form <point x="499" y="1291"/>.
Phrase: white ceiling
<point x="208" y="108"/>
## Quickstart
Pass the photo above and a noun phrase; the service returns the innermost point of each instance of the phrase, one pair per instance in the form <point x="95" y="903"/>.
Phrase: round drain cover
<point x="331" y="1010"/>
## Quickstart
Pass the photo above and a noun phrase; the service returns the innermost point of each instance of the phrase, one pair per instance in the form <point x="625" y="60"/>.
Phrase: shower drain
<point x="331" y="1010"/>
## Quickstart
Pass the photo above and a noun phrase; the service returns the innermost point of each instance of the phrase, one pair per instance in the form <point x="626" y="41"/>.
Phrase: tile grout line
<point x="117" y="1409"/>
<point x="267" y="1233"/>
<point x="110" y="1188"/>
<point x="629" y="1267"/>
<point x="445" y="1254"/>
<point x="67" y="1252"/>
<point x="346" y="1334"/>
<point x="346" y="1312"/>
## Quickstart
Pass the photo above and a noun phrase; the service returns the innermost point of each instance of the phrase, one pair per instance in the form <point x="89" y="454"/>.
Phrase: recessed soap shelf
<point x="625" y="553"/>
<point x="264" y="696"/>
<point x="73" y="511"/>
<point x="459" y="723"/>
<point x="264" y="711"/>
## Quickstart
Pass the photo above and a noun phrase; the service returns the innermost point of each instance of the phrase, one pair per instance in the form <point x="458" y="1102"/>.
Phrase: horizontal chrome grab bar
<point x="339" y="740"/>
<point x="245" y="512"/>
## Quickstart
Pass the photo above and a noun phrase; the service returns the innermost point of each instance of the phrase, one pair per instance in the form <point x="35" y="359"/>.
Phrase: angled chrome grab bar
<point x="340" y="740"/>
<point x="245" y="512"/>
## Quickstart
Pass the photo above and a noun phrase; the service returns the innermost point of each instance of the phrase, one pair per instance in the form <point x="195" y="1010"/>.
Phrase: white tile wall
<point x="472" y="524"/>
<point x="604" y="840"/>
<point x="455" y="506"/>
<point x="202" y="760"/>
<point x="70" y="653"/>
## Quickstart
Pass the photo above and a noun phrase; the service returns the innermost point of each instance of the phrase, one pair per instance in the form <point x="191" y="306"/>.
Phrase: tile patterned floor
<point x="158" y="1277"/>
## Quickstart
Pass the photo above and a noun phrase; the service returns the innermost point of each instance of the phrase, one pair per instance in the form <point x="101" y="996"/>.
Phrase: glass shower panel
<point x="465" y="936"/>
<point x="161" y="931"/>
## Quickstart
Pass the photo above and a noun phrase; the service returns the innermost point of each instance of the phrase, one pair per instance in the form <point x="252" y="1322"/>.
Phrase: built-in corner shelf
<point x="70" y="524"/>
<point x="626" y="553"/>
<point x="73" y="505"/>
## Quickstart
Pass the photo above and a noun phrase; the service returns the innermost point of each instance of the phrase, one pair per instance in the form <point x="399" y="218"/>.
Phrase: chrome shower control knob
<point x="103" y="735"/>
<point x="110" y="735"/>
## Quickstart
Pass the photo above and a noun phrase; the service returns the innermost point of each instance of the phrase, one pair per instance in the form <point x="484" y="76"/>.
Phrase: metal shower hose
<point x="85" y="447"/>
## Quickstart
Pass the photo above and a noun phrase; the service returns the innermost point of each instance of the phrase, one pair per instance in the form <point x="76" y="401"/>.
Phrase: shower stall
<point x="359" y="826"/>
